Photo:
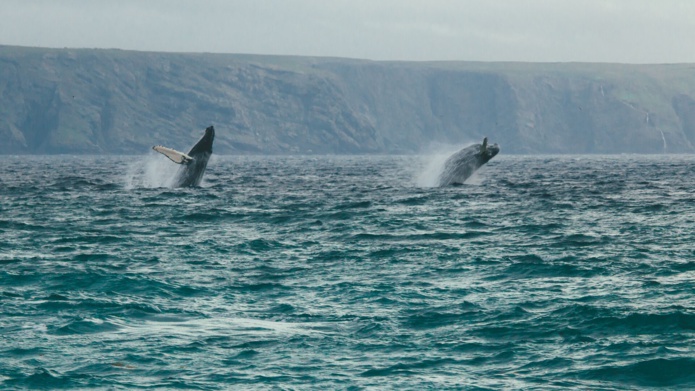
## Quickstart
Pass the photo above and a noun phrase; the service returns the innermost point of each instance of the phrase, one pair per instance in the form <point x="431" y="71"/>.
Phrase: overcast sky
<point x="626" y="31"/>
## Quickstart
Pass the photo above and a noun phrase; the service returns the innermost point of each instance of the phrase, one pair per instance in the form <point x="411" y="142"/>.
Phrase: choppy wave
<point x="347" y="273"/>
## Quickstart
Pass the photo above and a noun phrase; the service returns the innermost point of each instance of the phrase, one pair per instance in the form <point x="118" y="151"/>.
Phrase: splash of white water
<point x="432" y="167"/>
<point x="150" y="172"/>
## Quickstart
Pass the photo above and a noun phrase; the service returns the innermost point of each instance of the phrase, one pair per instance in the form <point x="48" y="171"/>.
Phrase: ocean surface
<point x="350" y="273"/>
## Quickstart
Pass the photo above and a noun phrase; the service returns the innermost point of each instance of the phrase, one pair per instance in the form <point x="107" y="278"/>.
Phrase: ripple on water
<point x="344" y="273"/>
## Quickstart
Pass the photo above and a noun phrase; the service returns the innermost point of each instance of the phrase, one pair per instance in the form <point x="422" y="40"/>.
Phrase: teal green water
<point x="347" y="273"/>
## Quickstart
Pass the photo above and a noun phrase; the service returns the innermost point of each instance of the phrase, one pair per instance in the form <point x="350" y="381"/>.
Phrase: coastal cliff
<point x="93" y="101"/>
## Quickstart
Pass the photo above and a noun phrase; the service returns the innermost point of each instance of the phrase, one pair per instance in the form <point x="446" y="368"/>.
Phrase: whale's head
<point x="492" y="151"/>
<point x="487" y="152"/>
<point x="205" y="143"/>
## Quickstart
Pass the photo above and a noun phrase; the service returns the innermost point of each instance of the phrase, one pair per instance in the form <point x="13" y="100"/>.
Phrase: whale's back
<point x="460" y="166"/>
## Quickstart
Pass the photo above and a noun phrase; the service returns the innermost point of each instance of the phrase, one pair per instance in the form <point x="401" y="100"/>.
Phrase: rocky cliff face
<point x="111" y="101"/>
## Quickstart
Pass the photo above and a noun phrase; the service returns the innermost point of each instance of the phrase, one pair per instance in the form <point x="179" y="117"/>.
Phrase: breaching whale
<point x="193" y="163"/>
<point x="462" y="164"/>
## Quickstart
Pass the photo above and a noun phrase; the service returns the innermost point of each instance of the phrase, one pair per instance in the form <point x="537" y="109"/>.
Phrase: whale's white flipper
<point x="193" y="163"/>
<point x="174" y="155"/>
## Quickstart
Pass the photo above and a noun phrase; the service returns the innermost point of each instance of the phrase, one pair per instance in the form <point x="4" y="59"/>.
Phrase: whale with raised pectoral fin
<point x="173" y="155"/>
<point x="462" y="164"/>
<point x="193" y="163"/>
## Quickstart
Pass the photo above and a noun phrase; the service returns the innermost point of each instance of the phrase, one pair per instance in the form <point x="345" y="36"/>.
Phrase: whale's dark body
<point x="191" y="174"/>
<point x="462" y="164"/>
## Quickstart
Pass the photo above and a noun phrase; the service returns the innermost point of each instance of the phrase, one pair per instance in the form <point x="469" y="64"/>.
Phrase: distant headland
<point x="97" y="101"/>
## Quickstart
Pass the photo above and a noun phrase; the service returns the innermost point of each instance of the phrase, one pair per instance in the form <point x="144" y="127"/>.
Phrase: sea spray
<point x="150" y="171"/>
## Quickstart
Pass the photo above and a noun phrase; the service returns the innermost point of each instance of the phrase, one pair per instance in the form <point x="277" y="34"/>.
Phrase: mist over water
<point x="150" y="171"/>
<point x="347" y="272"/>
